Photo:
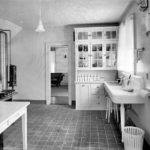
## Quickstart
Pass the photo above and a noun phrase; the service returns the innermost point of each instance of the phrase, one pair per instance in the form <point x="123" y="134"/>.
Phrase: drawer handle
<point x="83" y="85"/>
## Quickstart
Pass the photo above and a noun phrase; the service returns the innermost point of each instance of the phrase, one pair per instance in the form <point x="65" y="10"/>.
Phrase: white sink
<point x="120" y="96"/>
<point x="113" y="83"/>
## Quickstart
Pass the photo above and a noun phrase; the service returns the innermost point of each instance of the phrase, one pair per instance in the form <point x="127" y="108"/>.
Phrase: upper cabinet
<point x="96" y="48"/>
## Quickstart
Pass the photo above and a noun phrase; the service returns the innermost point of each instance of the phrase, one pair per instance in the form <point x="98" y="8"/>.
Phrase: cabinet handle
<point x="83" y="85"/>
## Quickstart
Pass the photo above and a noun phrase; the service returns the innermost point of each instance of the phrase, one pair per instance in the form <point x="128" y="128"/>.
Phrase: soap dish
<point x="128" y="89"/>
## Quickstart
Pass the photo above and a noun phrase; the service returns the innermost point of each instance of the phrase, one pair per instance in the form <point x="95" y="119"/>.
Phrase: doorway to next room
<point x="59" y="74"/>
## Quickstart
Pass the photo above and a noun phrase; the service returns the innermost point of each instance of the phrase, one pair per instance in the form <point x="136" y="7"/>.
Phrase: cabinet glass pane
<point x="111" y="35"/>
<point x="100" y="63"/>
<point x="97" y="55"/>
<point x="97" y="35"/>
<point x="111" y="55"/>
<point x="114" y="35"/>
<point x="83" y="55"/>
<point x="108" y="35"/>
<point x="82" y="35"/>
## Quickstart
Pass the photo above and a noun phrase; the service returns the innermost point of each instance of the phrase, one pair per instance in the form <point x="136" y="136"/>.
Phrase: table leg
<point x="122" y="115"/>
<point x="1" y="141"/>
<point x="24" y="130"/>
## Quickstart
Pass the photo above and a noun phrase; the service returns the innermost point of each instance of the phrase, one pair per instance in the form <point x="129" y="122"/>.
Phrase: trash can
<point x="133" y="138"/>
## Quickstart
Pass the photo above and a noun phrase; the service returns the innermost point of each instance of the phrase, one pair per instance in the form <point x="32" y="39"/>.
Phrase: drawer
<point x="97" y="86"/>
<point x="97" y="92"/>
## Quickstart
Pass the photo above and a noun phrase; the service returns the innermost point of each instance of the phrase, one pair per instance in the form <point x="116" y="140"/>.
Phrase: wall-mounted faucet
<point x="121" y="80"/>
<point x="128" y="82"/>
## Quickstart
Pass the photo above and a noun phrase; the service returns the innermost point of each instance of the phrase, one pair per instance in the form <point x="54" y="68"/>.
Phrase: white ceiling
<point x="25" y="13"/>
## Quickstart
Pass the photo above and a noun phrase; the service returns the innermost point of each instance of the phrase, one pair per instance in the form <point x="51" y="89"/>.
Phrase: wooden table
<point x="9" y="113"/>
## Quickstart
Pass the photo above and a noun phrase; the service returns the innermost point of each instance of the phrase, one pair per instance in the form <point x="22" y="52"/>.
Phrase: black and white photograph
<point x="74" y="74"/>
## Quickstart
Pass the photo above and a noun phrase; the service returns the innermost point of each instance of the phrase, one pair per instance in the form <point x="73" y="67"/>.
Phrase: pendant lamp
<point x="40" y="27"/>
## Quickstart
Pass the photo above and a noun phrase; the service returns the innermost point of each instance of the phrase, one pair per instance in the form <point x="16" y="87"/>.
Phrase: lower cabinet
<point x="90" y="97"/>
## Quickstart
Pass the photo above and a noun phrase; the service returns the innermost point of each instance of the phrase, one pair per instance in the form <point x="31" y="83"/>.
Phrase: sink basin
<point x="113" y="83"/>
<point x="120" y="96"/>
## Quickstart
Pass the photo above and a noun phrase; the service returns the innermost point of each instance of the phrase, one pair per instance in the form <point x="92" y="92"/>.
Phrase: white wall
<point x="28" y="53"/>
<point x="142" y="67"/>
<point x="61" y="61"/>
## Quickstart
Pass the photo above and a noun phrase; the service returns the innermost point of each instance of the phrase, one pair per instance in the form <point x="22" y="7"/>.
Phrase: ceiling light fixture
<point x="40" y="27"/>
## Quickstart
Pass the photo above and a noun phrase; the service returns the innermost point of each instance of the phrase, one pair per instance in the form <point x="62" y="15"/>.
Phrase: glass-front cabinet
<point x="97" y="55"/>
<point x="96" y="48"/>
<point x="82" y="35"/>
<point x="83" y="56"/>
<point x="111" y="55"/>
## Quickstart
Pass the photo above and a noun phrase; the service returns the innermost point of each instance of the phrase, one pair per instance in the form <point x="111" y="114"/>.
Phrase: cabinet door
<point x="82" y="56"/>
<point x="82" y="35"/>
<point x="97" y="55"/>
<point x="111" y="55"/>
<point x="110" y="34"/>
<point x="97" y="34"/>
<point x="82" y="95"/>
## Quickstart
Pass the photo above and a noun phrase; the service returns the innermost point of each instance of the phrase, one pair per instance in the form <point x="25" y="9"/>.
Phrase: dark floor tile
<point x="61" y="127"/>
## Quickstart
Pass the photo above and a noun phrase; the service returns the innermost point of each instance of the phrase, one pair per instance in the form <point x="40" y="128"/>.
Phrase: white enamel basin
<point x="119" y="96"/>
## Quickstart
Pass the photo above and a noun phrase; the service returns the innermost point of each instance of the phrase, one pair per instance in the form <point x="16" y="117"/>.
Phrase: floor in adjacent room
<point x="62" y="90"/>
<point x="60" y="127"/>
<point x="59" y="95"/>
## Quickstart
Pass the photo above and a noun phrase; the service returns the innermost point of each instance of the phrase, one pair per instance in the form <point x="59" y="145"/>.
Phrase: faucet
<point x="121" y="80"/>
<point x="128" y="82"/>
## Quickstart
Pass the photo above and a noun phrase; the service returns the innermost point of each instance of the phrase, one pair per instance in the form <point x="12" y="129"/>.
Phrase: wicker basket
<point x="133" y="138"/>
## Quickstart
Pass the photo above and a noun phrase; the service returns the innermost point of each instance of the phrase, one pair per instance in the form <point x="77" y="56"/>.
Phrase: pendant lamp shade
<point x="40" y="27"/>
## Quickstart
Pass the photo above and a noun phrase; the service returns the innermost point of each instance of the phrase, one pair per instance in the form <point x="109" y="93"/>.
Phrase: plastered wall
<point x="28" y="53"/>
<point x="141" y="68"/>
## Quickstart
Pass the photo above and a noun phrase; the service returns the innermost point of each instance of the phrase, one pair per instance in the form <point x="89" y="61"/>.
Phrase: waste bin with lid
<point x="133" y="138"/>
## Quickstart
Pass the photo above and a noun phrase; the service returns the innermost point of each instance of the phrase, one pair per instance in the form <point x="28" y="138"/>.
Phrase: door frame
<point x="47" y="70"/>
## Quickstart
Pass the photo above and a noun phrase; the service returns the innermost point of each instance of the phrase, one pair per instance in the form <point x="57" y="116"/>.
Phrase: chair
<point x="56" y="78"/>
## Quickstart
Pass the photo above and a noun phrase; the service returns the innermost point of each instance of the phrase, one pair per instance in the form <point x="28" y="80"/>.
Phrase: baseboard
<point x="31" y="101"/>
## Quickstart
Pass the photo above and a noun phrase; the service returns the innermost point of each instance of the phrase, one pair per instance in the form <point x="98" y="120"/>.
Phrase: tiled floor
<point x="59" y="127"/>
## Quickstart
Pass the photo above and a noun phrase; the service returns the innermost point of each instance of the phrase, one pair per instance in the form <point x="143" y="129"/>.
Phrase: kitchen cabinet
<point x="96" y="48"/>
<point x="82" y="95"/>
<point x="90" y="96"/>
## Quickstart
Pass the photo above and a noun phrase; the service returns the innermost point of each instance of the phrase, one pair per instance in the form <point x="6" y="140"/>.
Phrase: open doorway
<point x="57" y="64"/>
<point x="59" y="74"/>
